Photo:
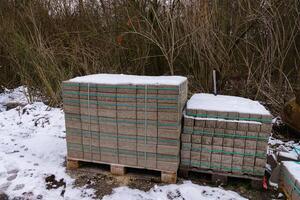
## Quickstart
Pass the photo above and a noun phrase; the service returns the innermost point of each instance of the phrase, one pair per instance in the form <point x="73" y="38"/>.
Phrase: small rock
<point x="24" y="111"/>
<point x="52" y="183"/>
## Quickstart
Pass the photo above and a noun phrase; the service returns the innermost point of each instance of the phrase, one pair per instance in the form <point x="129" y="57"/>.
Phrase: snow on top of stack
<point x="293" y="168"/>
<point x="119" y="79"/>
<point x="223" y="103"/>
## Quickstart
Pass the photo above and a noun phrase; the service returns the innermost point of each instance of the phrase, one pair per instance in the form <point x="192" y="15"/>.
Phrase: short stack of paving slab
<point x="128" y="120"/>
<point x="225" y="134"/>
<point x="290" y="179"/>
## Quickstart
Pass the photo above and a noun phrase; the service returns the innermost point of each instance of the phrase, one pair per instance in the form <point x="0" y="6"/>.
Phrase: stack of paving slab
<point x="290" y="179"/>
<point x="225" y="134"/>
<point x="128" y="120"/>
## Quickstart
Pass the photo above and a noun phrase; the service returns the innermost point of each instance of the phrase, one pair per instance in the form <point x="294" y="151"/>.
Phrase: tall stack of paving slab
<point x="290" y="179"/>
<point x="225" y="134"/>
<point x="127" y="120"/>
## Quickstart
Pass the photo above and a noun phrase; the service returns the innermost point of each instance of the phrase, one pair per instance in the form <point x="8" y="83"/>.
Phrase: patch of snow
<point x="277" y="121"/>
<point x="268" y="167"/>
<point x="15" y="95"/>
<point x="273" y="141"/>
<point x="291" y="155"/>
<point x="274" y="185"/>
<point x="32" y="147"/>
<point x="278" y="148"/>
<point x="289" y="149"/>
<point x="113" y="79"/>
<point x="210" y="102"/>
<point x="280" y="195"/>
<point x="187" y="190"/>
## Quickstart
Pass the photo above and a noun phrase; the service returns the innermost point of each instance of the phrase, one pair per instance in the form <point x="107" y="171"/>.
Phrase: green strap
<point x="297" y="150"/>
<point x="112" y="120"/>
<point x="258" y="155"/>
<point x="230" y="118"/>
<point x="89" y="120"/>
<point x="73" y="102"/>
<point x="223" y="135"/>
<point x="95" y="134"/>
<point x="120" y="96"/>
<point x="145" y="121"/>
<point x="79" y="147"/>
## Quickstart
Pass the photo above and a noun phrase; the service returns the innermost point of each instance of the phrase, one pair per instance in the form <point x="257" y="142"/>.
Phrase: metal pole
<point x="297" y="88"/>
<point x="215" y="81"/>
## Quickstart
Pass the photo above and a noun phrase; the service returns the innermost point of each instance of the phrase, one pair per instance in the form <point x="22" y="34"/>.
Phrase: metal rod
<point x="297" y="88"/>
<point x="215" y="82"/>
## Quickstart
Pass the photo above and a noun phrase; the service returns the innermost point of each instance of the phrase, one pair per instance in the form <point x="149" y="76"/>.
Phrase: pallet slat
<point x="120" y="170"/>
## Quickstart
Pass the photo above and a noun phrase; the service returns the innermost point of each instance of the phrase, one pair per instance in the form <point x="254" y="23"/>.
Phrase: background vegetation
<point x="254" y="44"/>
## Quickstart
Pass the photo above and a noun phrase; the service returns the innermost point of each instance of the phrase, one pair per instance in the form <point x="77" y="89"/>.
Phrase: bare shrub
<point x="254" y="45"/>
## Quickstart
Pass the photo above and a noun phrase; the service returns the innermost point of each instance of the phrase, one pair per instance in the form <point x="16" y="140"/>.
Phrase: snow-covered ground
<point x="289" y="149"/>
<point x="15" y="95"/>
<point x="32" y="156"/>
<point x="32" y="147"/>
<point x="185" y="191"/>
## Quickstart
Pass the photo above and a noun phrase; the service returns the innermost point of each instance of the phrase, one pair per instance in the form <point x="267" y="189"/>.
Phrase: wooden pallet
<point x="222" y="177"/>
<point x="120" y="170"/>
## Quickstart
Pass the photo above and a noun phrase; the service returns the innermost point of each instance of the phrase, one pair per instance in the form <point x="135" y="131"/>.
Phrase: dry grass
<point x="255" y="45"/>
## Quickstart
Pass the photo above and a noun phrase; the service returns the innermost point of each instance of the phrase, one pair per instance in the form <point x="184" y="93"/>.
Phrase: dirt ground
<point x="100" y="179"/>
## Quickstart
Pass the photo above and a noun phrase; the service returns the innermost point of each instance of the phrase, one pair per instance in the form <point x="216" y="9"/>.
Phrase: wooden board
<point x="221" y="177"/>
<point x="120" y="170"/>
